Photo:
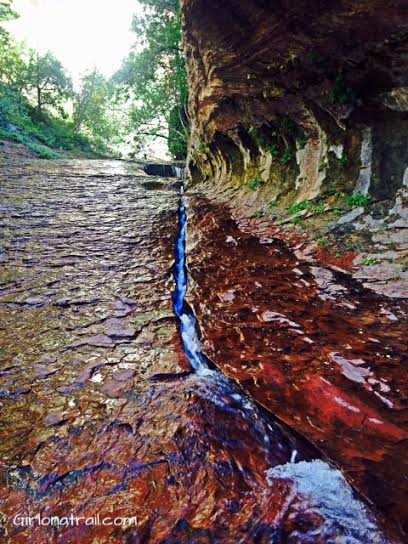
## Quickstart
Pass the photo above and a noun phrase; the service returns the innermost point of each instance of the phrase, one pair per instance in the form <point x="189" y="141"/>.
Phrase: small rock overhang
<point x="165" y="169"/>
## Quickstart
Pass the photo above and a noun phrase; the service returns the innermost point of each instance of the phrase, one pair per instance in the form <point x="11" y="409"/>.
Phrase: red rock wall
<point x="298" y="93"/>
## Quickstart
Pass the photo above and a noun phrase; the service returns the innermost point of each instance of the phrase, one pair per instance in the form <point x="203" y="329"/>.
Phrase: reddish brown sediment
<point x="308" y="342"/>
<point x="100" y="412"/>
<point x="191" y="469"/>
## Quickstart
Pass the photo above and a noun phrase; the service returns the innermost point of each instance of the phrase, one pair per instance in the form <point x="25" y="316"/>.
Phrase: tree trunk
<point x="39" y="104"/>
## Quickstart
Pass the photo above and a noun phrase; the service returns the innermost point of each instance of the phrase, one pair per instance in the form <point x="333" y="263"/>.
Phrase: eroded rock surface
<point x="85" y="302"/>
<point x="305" y="104"/>
<point x="308" y="342"/>
<point x="100" y="413"/>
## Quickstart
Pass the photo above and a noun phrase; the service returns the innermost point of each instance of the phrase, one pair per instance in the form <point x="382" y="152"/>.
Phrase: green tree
<point x="7" y="13"/>
<point x="48" y="80"/>
<point x="35" y="88"/>
<point x="90" y="100"/>
<point x="12" y="69"/>
<point x="95" y="111"/>
<point x="153" y="78"/>
<point x="12" y="65"/>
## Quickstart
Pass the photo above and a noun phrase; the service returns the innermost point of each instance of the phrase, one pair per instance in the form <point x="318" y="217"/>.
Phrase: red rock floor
<point x="323" y="354"/>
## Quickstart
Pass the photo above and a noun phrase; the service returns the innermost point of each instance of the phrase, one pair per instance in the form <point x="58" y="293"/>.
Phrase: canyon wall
<point x="294" y="101"/>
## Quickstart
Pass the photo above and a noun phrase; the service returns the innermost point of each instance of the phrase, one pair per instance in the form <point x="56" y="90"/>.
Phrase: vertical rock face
<point x="294" y="96"/>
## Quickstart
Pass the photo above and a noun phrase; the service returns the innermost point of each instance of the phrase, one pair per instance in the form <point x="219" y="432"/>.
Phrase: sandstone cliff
<point x="301" y="107"/>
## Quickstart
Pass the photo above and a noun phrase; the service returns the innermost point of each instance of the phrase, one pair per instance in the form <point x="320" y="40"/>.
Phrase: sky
<point x="82" y="34"/>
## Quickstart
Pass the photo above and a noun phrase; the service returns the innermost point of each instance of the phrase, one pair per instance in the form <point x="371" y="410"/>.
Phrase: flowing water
<point x="187" y="320"/>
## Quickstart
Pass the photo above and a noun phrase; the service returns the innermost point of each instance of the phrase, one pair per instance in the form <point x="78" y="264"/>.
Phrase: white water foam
<point x="346" y="519"/>
<point x="191" y="343"/>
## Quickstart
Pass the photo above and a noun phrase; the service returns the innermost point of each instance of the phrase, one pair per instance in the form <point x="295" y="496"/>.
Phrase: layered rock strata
<point x="302" y="107"/>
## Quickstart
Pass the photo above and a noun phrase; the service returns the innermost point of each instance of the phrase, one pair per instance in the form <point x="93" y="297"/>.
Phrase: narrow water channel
<point x="330" y="509"/>
<point x="187" y="320"/>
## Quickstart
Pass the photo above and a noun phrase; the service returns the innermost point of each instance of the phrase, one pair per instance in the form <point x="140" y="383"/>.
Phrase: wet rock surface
<point x="100" y="413"/>
<point x="308" y="342"/>
<point x="85" y="300"/>
<point x="13" y="149"/>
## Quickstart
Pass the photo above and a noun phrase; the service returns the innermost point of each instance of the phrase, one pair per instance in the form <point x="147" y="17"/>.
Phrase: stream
<point x="187" y="320"/>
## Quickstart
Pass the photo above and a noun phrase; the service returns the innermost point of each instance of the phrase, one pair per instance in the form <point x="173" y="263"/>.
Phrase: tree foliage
<point x="7" y="13"/>
<point x="96" y="111"/>
<point x="36" y="97"/>
<point x="146" y="99"/>
<point x="38" y="76"/>
<point x="12" y="66"/>
<point x="48" y="80"/>
<point x="153" y="78"/>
